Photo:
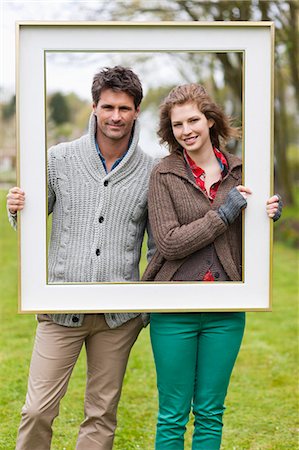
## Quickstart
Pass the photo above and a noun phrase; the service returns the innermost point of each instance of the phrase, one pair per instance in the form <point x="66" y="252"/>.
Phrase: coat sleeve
<point x="175" y="240"/>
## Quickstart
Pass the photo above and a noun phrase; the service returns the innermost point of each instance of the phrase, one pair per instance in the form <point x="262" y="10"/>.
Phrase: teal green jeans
<point x="194" y="355"/>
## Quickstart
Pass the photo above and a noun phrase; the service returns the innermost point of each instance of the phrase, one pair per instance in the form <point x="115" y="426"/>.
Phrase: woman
<point x="195" y="204"/>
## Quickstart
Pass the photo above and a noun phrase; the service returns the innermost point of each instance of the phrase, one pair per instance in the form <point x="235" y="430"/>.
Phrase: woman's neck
<point x="205" y="158"/>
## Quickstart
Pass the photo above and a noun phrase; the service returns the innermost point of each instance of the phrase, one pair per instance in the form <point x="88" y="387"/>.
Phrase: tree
<point x="59" y="109"/>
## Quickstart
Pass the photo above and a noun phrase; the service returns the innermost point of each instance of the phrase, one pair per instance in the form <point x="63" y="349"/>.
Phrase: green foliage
<point x="8" y="177"/>
<point x="74" y="124"/>
<point x="262" y="403"/>
<point x="59" y="109"/>
<point x="9" y="109"/>
<point x="155" y="96"/>
<point x="293" y="158"/>
<point x="286" y="230"/>
<point x="64" y="132"/>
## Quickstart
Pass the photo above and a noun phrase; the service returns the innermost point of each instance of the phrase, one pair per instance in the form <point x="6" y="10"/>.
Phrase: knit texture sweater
<point x="98" y="219"/>
<point x="184" y="221"/>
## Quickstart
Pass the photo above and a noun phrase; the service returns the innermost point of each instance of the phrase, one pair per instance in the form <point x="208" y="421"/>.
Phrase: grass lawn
<point x="262" y="404"/>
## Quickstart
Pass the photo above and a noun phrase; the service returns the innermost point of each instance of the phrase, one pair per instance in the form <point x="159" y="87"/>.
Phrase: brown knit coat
<point x="183" y="220"/>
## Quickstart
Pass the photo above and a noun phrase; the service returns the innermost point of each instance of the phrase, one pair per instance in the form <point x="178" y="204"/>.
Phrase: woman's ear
<point x="211" y="122"/>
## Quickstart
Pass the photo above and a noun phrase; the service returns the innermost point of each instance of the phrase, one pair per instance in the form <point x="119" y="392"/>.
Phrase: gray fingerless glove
<point x="232" y="207"/>
<point x="279" y="210"/>
<point x="12" y="218"/>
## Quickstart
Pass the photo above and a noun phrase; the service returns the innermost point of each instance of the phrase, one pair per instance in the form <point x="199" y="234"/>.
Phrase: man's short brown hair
<point x="119" y="79"/>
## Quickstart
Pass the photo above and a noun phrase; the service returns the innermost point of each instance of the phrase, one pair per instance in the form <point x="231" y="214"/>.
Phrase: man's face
<point x="115" y="114"/>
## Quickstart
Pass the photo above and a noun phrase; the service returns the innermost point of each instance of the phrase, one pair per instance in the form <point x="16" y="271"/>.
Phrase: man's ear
<point x="137" y="112"/>
<point x="94" y="106"/>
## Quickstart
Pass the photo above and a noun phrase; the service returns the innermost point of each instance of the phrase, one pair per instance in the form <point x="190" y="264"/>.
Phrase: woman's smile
<point x="190" y="140"/>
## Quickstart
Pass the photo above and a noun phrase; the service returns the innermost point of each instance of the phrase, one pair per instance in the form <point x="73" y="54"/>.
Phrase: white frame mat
<point x="256" y="41"/>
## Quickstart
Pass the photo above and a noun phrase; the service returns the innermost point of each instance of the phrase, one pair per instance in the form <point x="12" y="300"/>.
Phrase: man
<point x="97" y="194"/>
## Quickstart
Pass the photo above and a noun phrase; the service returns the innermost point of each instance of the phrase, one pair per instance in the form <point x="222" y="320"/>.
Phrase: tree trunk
<point x="282" y="171"/>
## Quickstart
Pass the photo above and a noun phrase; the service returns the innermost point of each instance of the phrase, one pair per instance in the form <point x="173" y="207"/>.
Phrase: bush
<point x="287" y="231"/>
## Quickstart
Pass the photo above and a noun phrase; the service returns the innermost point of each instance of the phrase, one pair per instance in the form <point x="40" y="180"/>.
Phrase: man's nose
<point x="116" y="115"/>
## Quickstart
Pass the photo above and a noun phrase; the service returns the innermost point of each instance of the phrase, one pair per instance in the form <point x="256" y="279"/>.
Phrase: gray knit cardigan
<point x="98" y="219"/>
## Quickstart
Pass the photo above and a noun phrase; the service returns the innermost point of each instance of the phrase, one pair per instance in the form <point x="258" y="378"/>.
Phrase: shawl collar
<point x="175" y="163"/>
<point x="91" y="159"/>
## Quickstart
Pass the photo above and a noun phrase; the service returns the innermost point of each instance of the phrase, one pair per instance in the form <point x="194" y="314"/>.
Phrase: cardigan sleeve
<point x="51" y="180"/>
<point x="151" y="246"/>
<point x="12" y="217"/>
<point x="173" y="240"/>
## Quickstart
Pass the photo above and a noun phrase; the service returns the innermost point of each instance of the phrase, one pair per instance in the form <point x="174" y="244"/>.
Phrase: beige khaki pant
<point x="55" y="353"/>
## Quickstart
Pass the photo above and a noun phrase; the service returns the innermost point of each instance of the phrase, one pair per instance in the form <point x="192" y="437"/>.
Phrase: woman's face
<point x="191" y="128"/>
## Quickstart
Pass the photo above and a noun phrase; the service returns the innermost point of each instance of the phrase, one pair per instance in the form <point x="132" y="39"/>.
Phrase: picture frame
<point x="256" y="42"/>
